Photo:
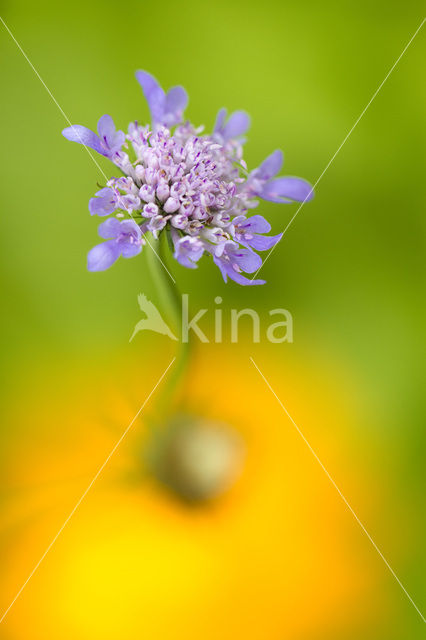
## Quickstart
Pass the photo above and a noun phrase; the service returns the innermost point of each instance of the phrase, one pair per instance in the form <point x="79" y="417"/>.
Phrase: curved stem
<point x="170" y="303"/>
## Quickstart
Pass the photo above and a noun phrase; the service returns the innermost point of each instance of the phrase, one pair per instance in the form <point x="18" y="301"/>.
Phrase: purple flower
<point x="106" y="143"/>
<point x="188" y="250"/>
<point x="232" y="260"/>
<point x="166" y="108"/>
<point x="156" y="224"/>
<point x="236" y="125"/>
<point x="247" y="232"/>
<point x="192" y="186"/>
<point x="283" y="190"/>
<point x="126" y="240"/>
<point x="104" y="202"/>
<point x="269" y="167"/>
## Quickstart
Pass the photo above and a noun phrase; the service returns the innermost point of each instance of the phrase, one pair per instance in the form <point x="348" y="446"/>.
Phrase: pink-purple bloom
<point x="124" y="238"/>
<point x="106" y="142"/>
<point x="193" y="186"/>
<point x="236" y="125"/>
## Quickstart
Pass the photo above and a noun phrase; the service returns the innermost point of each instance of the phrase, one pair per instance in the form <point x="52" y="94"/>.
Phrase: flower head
<point x="193" y="186"/>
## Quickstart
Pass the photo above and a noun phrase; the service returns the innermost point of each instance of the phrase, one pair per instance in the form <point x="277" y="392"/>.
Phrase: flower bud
<point x="150" y="176"/>
<point x="207" y="199"/>
<point x="194" y="227"/>
<point x="186" y="207"/>
<point x="179" y="221"/>
<point x="171" y="205"/>
<point x="156" y="224"/>
<point x="177" y="189"/>
<point x="150" y="210"/>
<point x="150" y="159"/>
<point x="163" y="191"/>
<point x="140" y="173"/>
<point x="221" y="219"/>
<point x="147" y="193"/>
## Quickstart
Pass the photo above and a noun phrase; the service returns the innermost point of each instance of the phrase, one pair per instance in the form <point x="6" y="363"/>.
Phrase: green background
<point x="351" y="268"/>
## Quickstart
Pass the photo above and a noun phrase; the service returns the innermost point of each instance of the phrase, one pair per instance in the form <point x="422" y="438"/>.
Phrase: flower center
<point x="195" y="458"/>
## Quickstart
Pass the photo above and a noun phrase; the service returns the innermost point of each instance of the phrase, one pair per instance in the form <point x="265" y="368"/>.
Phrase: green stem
<point x="170" y="305"/>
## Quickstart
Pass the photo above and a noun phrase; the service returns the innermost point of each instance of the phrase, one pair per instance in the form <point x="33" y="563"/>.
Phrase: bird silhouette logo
<point x="153" y="320"/>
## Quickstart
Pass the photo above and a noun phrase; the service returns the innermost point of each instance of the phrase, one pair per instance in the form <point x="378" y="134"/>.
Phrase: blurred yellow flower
<point x="274" y="557"/>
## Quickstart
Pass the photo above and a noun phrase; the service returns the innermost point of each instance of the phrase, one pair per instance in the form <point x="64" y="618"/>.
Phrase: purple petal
<point x="224" y="247"/>
<point x="220" y="120"/>
<point x="103" y="256"/>
<point x="176" y="100"/>
<point x="106" y="127"/>
<point x="105" y="191"/>
<point x="255" y="224"/>
<point x="187" y="250"/>
<point x="153" y="93"/>
<point x="111" y="139"/>
<point x="118" y="140"/>
<point x="237" y="124"/>
<point x="111" y="228"/>
<point x="227" y="270"/>
<point x="219" y="263"/>
<point x="129" y="227"/>
<point x="101" y="206"/>
<point x="263" y="243"/>
<point x="147" y="81"/>
<point x="240" y="279"/>
<point x="82" y="135"/>
<point x="104" y="203"/>
<point x="287" y="190"/>
<point x="129" y="250"/>
<point x="270" y="166"/>
<point x="155" y="101"/>
<point x="185" y="261"/>
<point x="247" y="260"/>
